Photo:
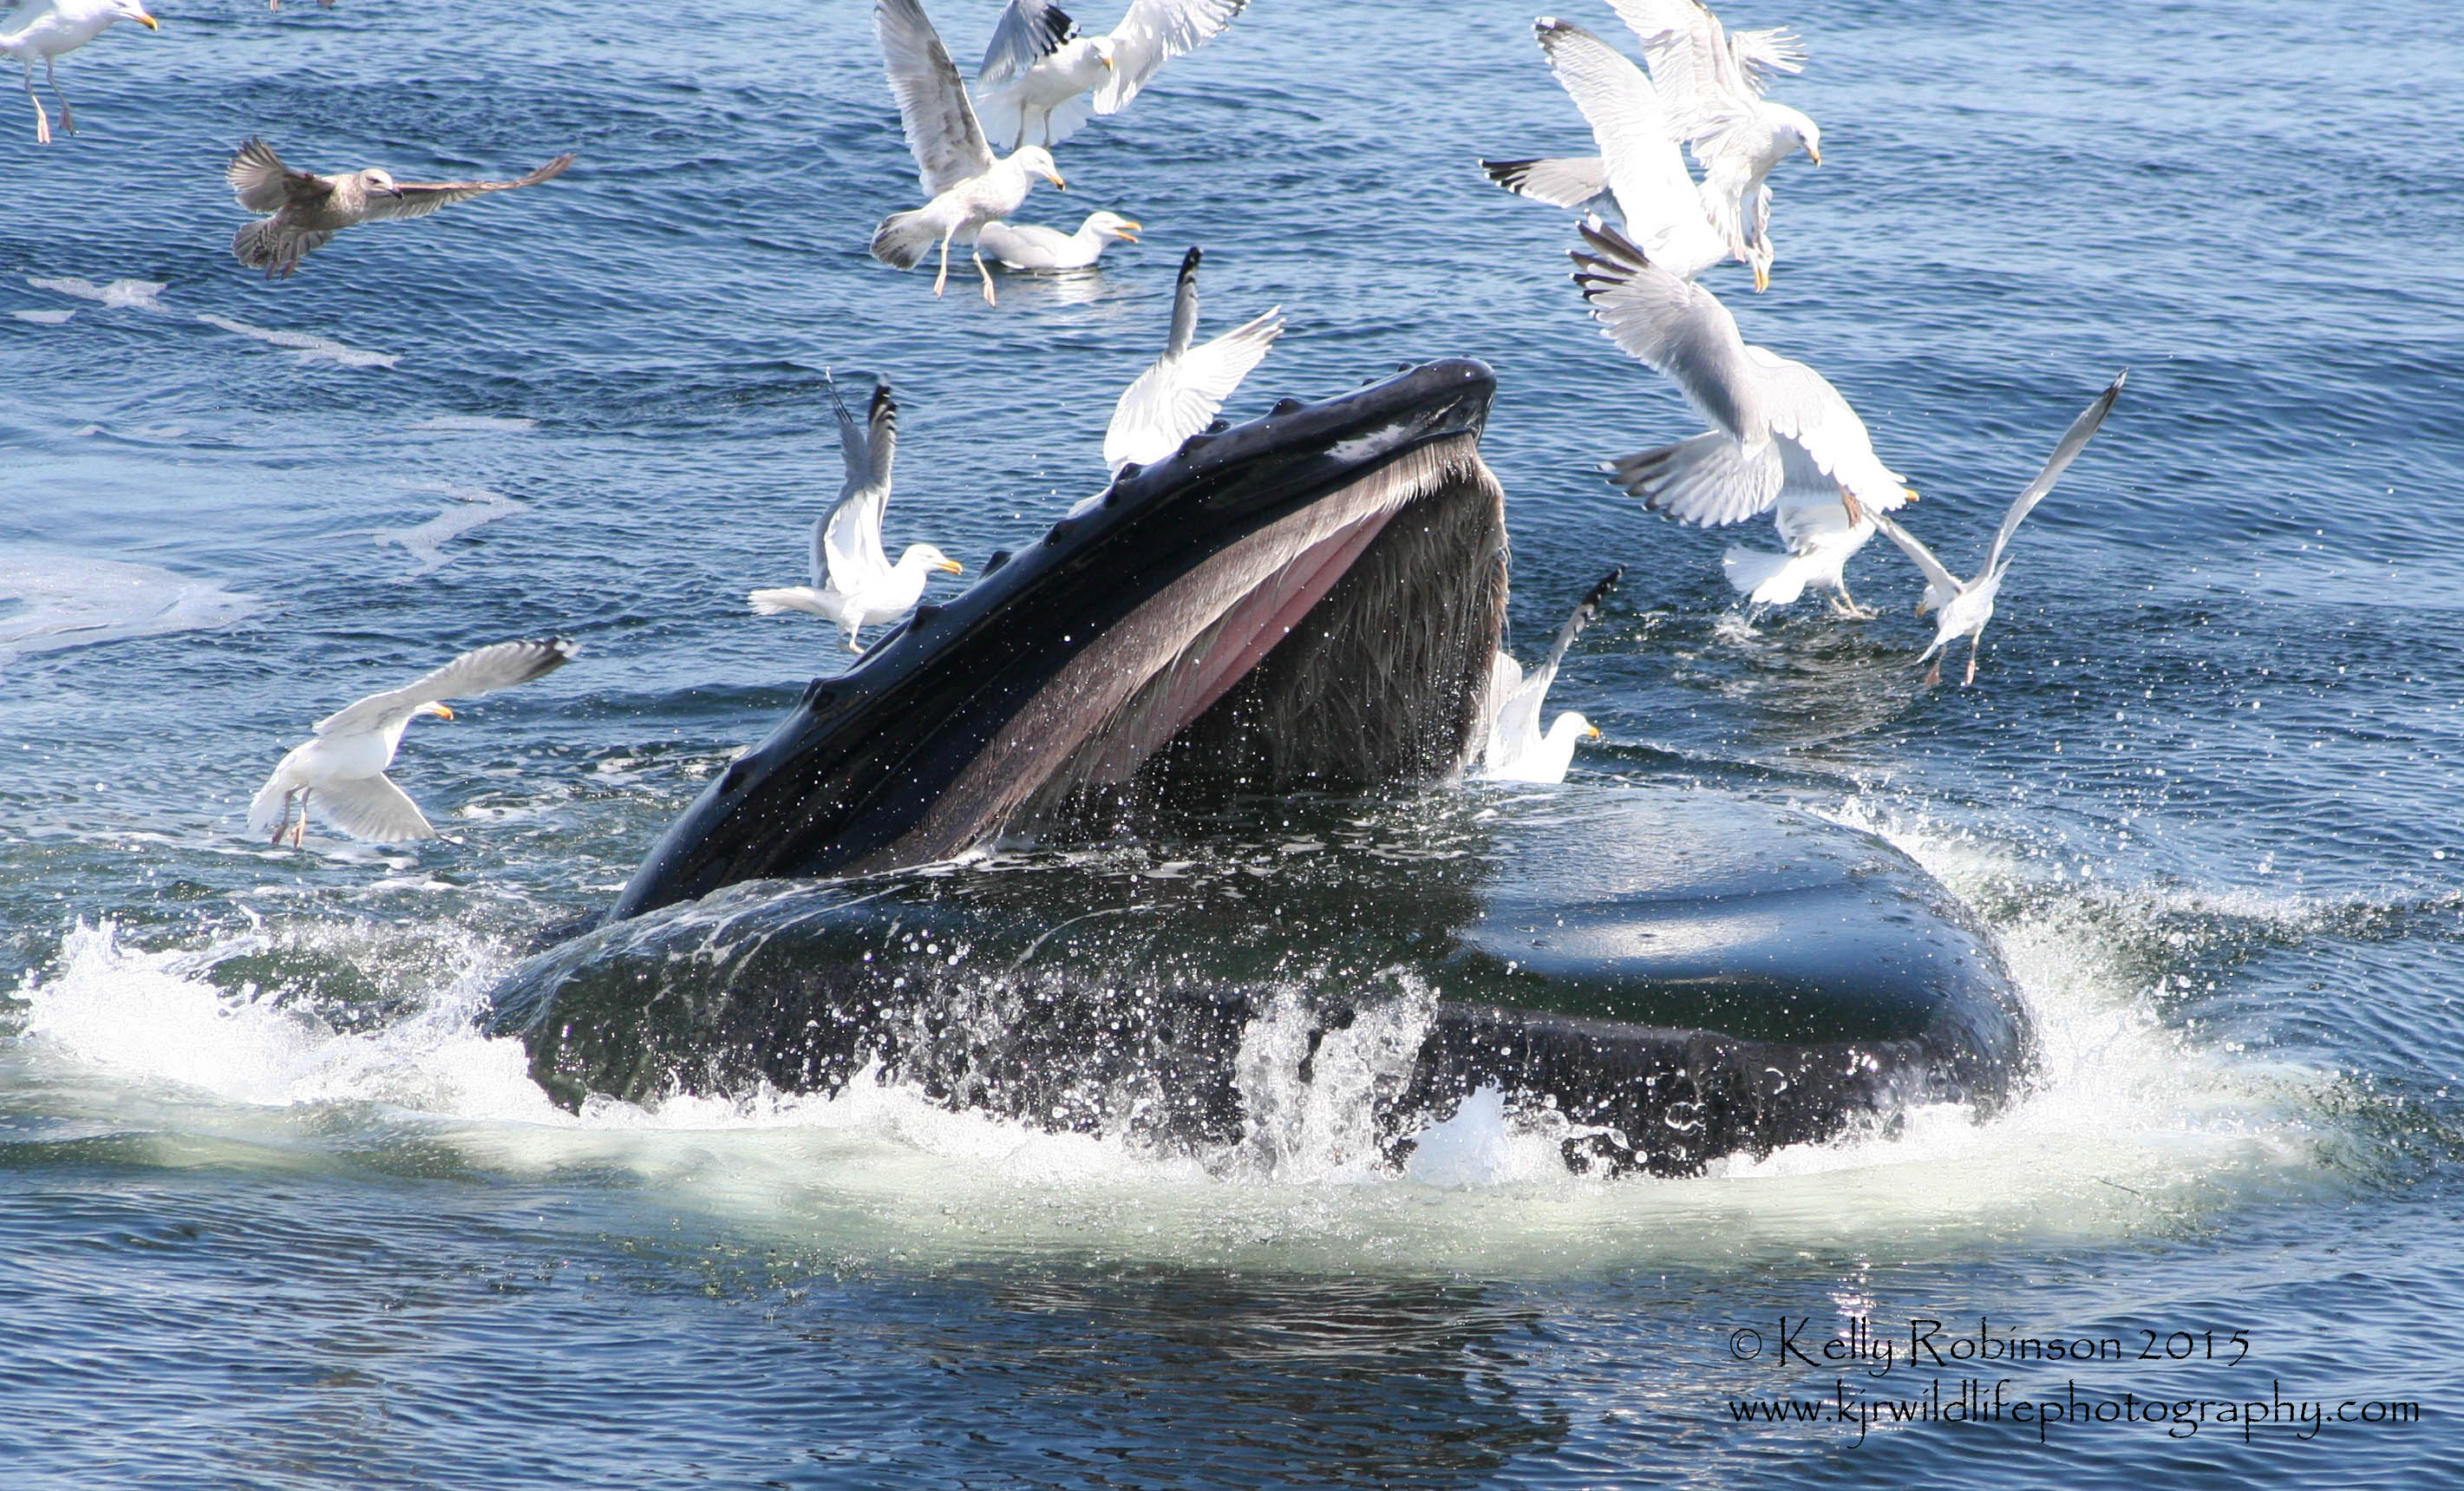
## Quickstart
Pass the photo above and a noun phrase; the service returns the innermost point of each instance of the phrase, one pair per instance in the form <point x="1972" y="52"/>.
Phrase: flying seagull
<point x="1820" y="539"/>
<point x="854" y="583"/>
<point x="1517" y="751"/>
<point x="1642" y="124"/>
<point x="308" y="208"/>
<point x="1033" y="83"/>
<point x="1778" y="429"/>
<point x="1968" y="605"/>
<point x="969" y="186"/>
<point x="46" y="29"/>
<point x="342" y="770"/>
<point x="1178" y="396"/>
<point x="1025" y="245"/>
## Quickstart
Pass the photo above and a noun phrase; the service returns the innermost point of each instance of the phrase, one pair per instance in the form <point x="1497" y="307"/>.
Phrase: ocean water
<point x="274" y="1213"/>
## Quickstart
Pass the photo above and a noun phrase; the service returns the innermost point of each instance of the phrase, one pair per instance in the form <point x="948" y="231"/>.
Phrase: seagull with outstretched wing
<point x="1040" y="77"/>
<point x="1517" y="751"/>
<point x="51" y="29"/>
<point x="1778" y="429"/>
<point x="854" y="583"/>
<point x="305" y="210"/>
<point x="970" y="187"/>
<point x="1178" y="395"/>
<point x="1968" y="605"/>
<point x="343" y="771"/>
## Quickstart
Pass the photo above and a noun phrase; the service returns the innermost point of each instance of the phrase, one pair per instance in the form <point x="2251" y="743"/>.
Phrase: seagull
<point x="969" y="186"/>
<point x="854" y="583"/>
<point x="1035" y="74"/>
<point x="1028" y="246"/>
<point x="1968" y="605"/>
<point x="48" y="27"/>
<point x="1778" y="429"/>
<point x="1517" y="751"/>
<point x="1640" y="124"/>
<point x="308" y="208"/>
<point x="342" y="770"/>
<point x="1176" y="397"/>
<point x="1819" y="539"/>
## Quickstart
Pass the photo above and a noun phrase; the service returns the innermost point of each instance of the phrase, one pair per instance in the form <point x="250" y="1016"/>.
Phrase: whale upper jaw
<point x="1309" y="600"/>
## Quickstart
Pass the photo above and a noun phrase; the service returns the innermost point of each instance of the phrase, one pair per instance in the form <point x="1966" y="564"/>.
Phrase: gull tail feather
<point x="267" y="808"/>
<point x="904" y="238"/>
<point x="1763" y="578"/>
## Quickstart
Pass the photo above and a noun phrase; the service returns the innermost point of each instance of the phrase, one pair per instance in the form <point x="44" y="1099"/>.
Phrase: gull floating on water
<point x="1025" y="245"/>
<point x="1641" y="124"/>
<point x="342" y="770"/>
<point x="854" y="583"/>
<point x="47" y="28"/>
<point x="1176" y="397"/>
<point x="1968" y="605"/>
<point x="1517" y="751"/>
<point x="1033" y="84"/>
<point x="1778" y="429"/>
<point x="308" y="208"/>
<point x="970" y="187"/>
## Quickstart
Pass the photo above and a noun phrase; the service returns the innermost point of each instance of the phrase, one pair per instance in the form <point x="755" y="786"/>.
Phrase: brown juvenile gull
<point x="342" y="770"/>
<point x="970" y="187"/>
<point x="308" y="208"/>
<point x="48" y="27"/>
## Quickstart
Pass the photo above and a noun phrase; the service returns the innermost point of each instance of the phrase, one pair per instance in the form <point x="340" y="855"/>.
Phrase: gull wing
<point x="476" y="672"/>
<point x="1689" y="53"/>
<point x="1585" y="612"/>
<point x="419" y="198"/>
<point x="1153" y="33"/>
<point x="1676" y="328"/>
<point x="371" y="808"/>
<point x="846" y="543"/>
<point x="263" y="184"/>
<point x="2073" y="440"/>
<point x="1638" y="146"/>
<point x="1804" y="408"/>
<point x="941" y="124"/>
<point x="1520" y="697"/>
<point x="1178" y="396"/>
<point x="1941" y="584"/>
<point x="1760" y="56"/>
<point x="1563" y="182"/>
<point x="1029" y="31"/>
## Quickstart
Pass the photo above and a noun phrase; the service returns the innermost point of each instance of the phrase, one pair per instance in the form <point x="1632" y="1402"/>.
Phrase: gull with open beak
<point x="46" y="29"/>
<point x="1968" y="605"/>
<point x="308" y="208"/>
<point x="1040" y="77"/>
<point x="969" y="185"/>
<point x="342" y="770"/>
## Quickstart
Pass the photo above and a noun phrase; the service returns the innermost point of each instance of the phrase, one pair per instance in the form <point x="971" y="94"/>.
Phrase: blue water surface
<point x="273" y="1214"/>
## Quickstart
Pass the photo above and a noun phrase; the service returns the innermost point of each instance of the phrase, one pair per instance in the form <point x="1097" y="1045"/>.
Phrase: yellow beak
<point x="1592" y="734"/>
<point x="1912" y="492"/>
<point x="951" y="568"/>
<point x="1813" y="155"/>
<point x="440" y="711"/>
<point x="148" y="22"/>
<point x="1129" y="230"/>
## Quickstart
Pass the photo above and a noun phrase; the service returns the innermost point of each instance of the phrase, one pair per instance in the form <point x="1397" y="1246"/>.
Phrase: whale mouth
<point x="1307" y="600"/>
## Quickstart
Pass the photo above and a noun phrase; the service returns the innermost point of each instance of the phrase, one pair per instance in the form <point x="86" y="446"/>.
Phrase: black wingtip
<point x="1189" y="262"/>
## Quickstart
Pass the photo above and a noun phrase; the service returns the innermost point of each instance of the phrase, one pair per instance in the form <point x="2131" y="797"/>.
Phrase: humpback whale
<point x="1159" y="823"/>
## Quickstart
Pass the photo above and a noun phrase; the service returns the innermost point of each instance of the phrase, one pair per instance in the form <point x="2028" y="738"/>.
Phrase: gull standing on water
<point x="1178" y="395"/>
<point x="1517" y="751"/>
<point x="1778" y="429"/>
<point x="1968" y="605"/>
<point x="1035" y="76"/>
<point x="1025" y="245"/>
<point x="342" y="770"/>
<point x="1641" y="124"/>
<point x="308" y="208"/>
<point x="854" y="583"/>
<point x="48" y="27"/>
<point x="970" y="187"/>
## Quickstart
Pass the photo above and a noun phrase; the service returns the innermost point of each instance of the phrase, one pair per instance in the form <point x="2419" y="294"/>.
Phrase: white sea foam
<point x="308" y="348"/>
<point x="427" y="541"/>
<point x="45" y="317"/>
<point x="70" y="601"/>
<point x="121" y="295"/>
<point x="472" y="424"/>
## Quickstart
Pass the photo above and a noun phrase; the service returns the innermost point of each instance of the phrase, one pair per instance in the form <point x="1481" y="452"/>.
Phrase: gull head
<point x="1039" y="161"/>
<point x="1113" y="225"/>
<point x="1808" y="134"/>
<point x="131" y="11"/>
<point x="434" y="711"/>
<point x="377" y="182"/>
<point x="923" y="556"/>
<point x="1570" y="727"/>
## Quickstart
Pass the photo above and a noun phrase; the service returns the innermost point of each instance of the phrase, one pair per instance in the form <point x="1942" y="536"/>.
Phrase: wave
<point x="65" y="600"/>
